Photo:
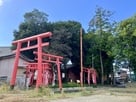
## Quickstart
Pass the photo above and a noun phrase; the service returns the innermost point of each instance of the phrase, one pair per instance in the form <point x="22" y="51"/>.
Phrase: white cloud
<point x="1" y="2"/>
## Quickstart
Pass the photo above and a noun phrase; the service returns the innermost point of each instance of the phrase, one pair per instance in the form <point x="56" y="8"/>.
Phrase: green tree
<point x="102" y="26"/>
<point x="126" y="39"/>
<point x="35" y="22"/>
<point x="65" y="40"/>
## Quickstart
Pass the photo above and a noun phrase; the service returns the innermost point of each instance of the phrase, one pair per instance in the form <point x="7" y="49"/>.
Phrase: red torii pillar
<point x="39" y="76"/>
<point x="59" y="74"/>
<point x="14" y="73"/>
<point x="88" y="76"/>
<point x="39" y="45"/>
<point x="94" y="75"/>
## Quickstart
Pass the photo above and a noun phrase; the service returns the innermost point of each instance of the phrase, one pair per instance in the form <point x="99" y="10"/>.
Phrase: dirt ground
<point x="100" y="94"/>
<point x="101" y="97"/>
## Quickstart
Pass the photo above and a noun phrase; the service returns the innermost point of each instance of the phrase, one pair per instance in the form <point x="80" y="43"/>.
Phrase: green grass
<point x="4" y="88"/>
<point x="46" y="93"/>
<point x="66" y="85"/>
<point x="70" y="84"/>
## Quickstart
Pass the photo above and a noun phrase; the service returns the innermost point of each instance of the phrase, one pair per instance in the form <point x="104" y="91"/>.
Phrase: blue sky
<point x="12" y="11"/>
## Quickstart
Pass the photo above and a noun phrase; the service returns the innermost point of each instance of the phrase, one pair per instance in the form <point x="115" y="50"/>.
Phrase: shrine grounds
<point x="86" y="94"/>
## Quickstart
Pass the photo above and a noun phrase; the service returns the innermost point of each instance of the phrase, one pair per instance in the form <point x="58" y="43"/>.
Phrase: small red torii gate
<point x="90" y="72"/>
<point x="38" y="38"/>
<point x="49" y="58"/>
<point x="31" y="69"/>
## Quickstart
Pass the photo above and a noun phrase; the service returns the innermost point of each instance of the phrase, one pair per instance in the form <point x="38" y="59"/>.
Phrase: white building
<point x="7" y="58"/>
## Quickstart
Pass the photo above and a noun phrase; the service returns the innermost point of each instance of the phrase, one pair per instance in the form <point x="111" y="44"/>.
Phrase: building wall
<point x="6" y="67"/>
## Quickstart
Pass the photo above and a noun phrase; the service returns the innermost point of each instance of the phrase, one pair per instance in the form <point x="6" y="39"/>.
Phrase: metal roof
<point x="5" y="51"/>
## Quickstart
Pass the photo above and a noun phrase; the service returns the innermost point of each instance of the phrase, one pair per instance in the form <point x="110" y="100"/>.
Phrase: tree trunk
<point x="92" y="61"/>
<point x="102" y="74"/>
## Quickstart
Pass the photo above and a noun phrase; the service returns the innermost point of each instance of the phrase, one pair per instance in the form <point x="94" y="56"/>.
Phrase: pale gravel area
<point x="100" y="98"/>
<point x="97" y="98"/>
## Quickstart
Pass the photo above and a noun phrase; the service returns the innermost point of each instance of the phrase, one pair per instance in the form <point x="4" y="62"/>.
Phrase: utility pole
<point x="81" y="58"/>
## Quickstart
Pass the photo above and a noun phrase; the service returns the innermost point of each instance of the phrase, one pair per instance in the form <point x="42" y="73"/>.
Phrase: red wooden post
<point x="94" y="77"/>
<point x="39" y="78"/>
<point x="88" y="76"/>
<point x="14" y="73"/>
<point x="59" y="74"/>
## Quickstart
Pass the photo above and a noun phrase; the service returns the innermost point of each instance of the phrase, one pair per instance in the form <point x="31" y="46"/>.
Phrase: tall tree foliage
<point x="102" y="26"/>
<point x="65" y="37"/>
<point x="65" y="40"/>
<point x="34" y="23"/>
<point x="126" y="39"/>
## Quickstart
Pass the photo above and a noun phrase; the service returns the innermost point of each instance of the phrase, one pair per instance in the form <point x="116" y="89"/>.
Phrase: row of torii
<point x="43" y="60"/>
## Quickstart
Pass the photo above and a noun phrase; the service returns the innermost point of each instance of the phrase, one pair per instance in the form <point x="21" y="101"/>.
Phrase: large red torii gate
<point x="38" y="45"/>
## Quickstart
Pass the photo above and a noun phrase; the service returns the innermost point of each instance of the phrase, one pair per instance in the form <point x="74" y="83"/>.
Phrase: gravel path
<point x="99" y="98"/>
